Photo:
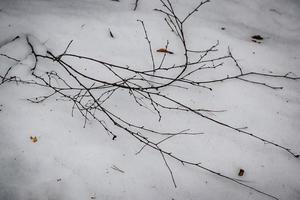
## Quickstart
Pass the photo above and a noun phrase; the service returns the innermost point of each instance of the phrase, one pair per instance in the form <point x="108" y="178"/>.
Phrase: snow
<point x="72" y="162"/>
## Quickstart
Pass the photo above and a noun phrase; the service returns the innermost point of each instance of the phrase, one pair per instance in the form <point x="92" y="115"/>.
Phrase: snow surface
<point x="72" y="162"/>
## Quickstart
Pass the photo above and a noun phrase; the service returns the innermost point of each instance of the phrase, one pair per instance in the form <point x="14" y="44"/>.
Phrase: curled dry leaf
<point x="33" y="139"/>
<point x="241" y="172"/>
<point x="257" y="37"/>
<point x="163" y="50"/>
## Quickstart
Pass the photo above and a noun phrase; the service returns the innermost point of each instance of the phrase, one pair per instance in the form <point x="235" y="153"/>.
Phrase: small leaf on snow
<point x="33" y="139"/>
<point x="257" y="37"/>
<point x="241" y="172"/>
<point x="163" y="50"/>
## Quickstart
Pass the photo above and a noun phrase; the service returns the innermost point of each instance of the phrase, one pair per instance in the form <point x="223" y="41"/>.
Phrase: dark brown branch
<point x="135" y="5"/>
<point x="169" y="169"/>
<point x="194" y="10"/>
<point x="149" y="44"/>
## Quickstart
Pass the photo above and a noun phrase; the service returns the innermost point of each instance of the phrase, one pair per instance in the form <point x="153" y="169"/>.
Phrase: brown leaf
<point x="33" y="139"/>
<point x="163" y="50"/>
<point x="241" y="172"/>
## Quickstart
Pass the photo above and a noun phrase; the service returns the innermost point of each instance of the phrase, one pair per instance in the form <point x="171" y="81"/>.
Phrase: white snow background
<point x="76" y="163"/>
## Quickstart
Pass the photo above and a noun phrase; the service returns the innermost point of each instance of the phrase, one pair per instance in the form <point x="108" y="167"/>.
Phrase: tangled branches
<point x="90" y="94"/>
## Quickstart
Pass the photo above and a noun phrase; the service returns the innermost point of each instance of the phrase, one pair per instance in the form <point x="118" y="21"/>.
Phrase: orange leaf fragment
<point x="33" y="139"/>
<point x="163" y="50"/>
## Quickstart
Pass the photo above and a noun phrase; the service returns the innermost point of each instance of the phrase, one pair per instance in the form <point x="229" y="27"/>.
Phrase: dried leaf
<point x="257" y="37"/>
<point x="163" y="50"/>
<point x="33" y="139"/>
<point x="241" y="172"/>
